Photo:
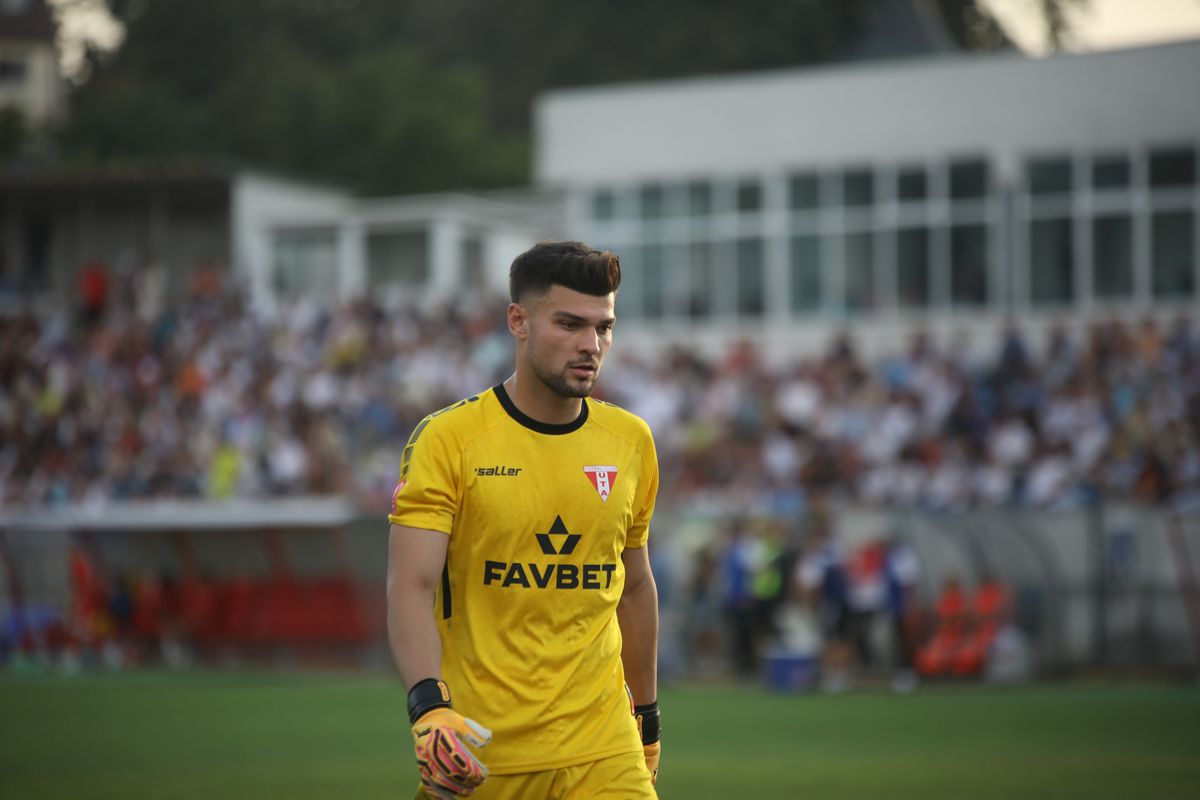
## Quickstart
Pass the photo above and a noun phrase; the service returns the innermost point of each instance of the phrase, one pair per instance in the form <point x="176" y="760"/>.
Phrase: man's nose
<point x="589" y="342"/>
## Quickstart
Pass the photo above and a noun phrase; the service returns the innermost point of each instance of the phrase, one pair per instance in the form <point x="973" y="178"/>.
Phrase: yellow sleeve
<point x="639" y="531"/>
<point x="429" y="489"/>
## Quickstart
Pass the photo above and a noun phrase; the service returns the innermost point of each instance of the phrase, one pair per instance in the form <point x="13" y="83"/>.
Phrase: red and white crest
<point x="602" y="478"/>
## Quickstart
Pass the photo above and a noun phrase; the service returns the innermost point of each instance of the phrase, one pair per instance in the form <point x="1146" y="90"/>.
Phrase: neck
<point x="538" y="401"/>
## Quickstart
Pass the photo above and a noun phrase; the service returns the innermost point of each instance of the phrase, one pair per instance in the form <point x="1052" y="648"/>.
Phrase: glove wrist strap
<point x="425" y="696"/>
<point x="650" y="722"/>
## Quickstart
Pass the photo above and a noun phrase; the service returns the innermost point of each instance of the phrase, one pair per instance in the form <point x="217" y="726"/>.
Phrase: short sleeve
<point x="428" y="492"/>
<point x="639" y="531"/>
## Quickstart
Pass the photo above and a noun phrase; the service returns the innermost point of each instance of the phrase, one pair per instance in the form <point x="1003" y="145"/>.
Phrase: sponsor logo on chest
<point x="558" y="541"/>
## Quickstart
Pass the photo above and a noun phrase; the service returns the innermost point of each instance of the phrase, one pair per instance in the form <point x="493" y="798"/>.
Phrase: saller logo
<point x="557" y="541"/>
<point x="506" y="472"/>
<point x="602" y="478"/>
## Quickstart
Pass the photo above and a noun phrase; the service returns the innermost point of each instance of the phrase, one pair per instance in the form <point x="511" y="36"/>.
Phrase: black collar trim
<point x="533" y="424"/>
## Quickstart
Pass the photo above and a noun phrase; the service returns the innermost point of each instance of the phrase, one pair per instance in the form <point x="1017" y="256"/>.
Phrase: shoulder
<point x="460" y="421"/>
<point x="620" y="421"/>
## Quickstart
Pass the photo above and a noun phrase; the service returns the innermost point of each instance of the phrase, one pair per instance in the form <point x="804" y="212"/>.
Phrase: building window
<point x="968" y="265"/>
<point x="650" y="200"/>
<point x="750" y="279"/>
<point x="1172" y="167"/>
<point x="749" y="196"/>
<point x="398" y="258"/>
<point x="629" y="299"/>
<point x="699" y="199"/>
<point x="1110" y="172"/>
<point x="305" y="264"/>
<point x="653" y="282"/>
<point x="858" y="188"/>
<point x="12" y="70"/>
<point x="804" y="192"/>
<point x="968" y="179"/>
<point x="472" y="262"/>
<point x="603" y="205"/>
<point x="912" y="184"/>
<point x="912" y="267"/>
<point x="1049" y="176"/>
<point x="1171" y="234"/>
<point x="806" y="274"/>
<point x="1112" y="257"/>
<point x="1051" y="279"/>
<point x="701" y="279"/>
<point x="859" y="271"/>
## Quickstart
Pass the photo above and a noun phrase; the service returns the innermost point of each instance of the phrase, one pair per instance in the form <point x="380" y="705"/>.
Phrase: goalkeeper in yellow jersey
<point x="522" y="613"/>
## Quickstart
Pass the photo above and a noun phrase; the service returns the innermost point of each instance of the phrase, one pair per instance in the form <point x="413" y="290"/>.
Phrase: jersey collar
<point x="554" y="429"/>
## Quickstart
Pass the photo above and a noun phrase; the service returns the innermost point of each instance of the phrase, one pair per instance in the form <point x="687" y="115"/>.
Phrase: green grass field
<point x="322" y="736"/>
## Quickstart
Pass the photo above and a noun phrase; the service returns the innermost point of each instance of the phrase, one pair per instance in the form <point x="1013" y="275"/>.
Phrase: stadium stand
<point x="206" y="400"/>
<point x="126" y="400"/>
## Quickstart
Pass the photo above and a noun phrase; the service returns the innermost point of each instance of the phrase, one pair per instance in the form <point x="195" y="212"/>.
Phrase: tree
<point x="410" y="95"/>
<point x="14" y="133"/>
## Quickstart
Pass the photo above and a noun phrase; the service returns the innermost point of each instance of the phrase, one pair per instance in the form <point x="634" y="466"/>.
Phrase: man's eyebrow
<point x="577" y="318"/>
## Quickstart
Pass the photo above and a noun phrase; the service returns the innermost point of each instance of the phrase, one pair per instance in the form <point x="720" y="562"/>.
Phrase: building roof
<point x="27" y="20"/>
<point x="195" y="180"/>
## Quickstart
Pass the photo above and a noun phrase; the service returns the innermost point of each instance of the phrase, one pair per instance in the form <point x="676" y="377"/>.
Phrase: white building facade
<point x="950" y="194"/>
<point x="292" y="240"/>
<point x="30" y="78"/>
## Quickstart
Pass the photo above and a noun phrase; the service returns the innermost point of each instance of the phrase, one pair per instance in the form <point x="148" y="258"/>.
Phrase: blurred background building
<point x="954" y="192"/>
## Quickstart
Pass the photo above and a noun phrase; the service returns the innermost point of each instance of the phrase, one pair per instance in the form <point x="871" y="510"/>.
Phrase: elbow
<point x="404" y="586"/>
<point x="639" y="594"/>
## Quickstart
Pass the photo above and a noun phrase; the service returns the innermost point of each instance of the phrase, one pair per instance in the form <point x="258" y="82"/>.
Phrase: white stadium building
<point x="950" y="193"/>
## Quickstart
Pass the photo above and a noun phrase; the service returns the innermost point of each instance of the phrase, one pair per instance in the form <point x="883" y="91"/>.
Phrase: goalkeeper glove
<point x="448" y="769"/>
<point x="650" y="729"/>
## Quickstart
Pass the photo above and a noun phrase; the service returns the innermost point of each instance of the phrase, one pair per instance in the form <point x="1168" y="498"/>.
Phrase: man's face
<point x="565" y="336"/>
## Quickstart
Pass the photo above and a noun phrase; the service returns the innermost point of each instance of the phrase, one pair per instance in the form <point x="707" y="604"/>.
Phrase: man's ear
<point x="518" y="321"/>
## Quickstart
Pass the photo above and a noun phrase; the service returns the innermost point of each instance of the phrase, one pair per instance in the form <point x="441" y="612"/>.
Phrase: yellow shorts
<point x="622" y="777"/>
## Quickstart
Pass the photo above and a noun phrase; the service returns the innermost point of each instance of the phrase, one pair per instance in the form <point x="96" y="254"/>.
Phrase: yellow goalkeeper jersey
<point x="538" y="516"/>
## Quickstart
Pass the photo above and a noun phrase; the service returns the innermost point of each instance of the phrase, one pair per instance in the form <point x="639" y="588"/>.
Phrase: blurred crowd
<point x="124" y="398"/>
<point x="1113" y="413"/>
<point x="208" y="400"/>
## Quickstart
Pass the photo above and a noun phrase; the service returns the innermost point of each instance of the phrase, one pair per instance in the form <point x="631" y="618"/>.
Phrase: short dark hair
<point x="570" y="264"/>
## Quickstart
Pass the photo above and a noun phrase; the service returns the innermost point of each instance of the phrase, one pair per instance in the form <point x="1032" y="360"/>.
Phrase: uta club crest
<point x="602" y="478"/>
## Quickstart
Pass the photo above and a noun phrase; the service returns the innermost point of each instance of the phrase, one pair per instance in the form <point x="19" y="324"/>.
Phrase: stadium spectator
<point x="702" y="616"/>
<point x="741" y="558"/>
<point x="821" y="584"/>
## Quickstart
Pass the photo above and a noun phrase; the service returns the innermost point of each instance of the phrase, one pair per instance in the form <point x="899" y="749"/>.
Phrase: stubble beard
<point x="560" y="383"/>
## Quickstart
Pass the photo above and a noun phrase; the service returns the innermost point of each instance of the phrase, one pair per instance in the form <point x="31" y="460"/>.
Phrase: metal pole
<point x="1186" y="576"/>
<point x="1100" y="582"/>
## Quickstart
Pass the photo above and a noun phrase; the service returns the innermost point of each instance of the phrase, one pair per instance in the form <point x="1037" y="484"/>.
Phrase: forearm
<point x="412" y="634"/>
<point x="411" y="590"/>
<point x="637" y="615"/>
